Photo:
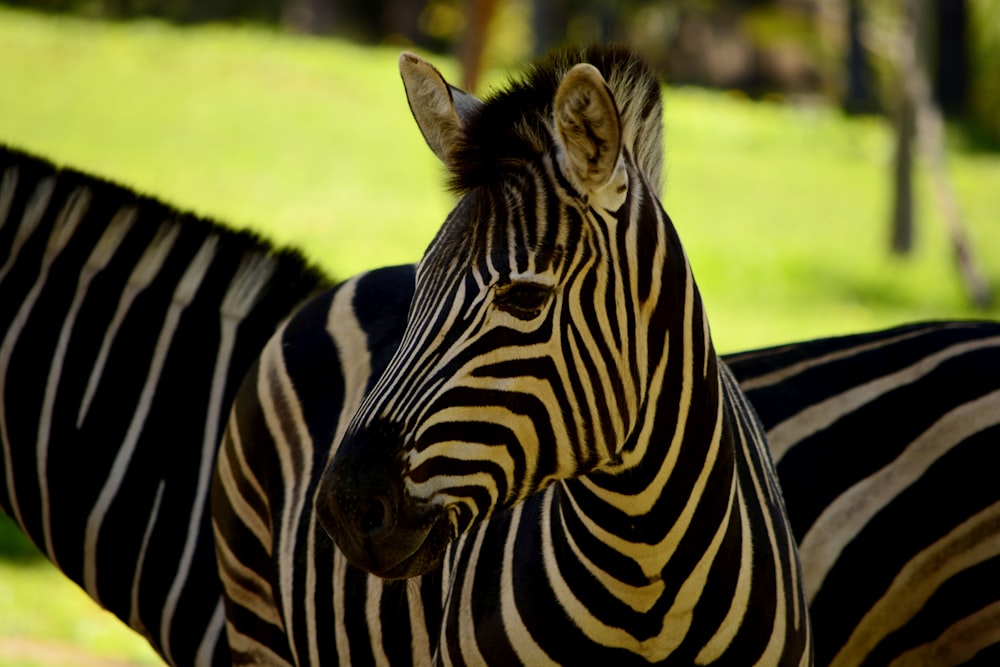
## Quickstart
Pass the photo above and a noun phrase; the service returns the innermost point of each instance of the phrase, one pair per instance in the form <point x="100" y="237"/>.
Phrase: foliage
<point x="180" y="11"/>
<point x="985" y="102"/>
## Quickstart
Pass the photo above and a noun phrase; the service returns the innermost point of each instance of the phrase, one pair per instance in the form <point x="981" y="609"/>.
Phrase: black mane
<point x="514" y="125"/>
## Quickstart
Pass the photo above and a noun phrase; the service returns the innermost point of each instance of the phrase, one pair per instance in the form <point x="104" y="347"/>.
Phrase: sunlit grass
<point x="783" y="210"/>
<point x="47" y="620"/>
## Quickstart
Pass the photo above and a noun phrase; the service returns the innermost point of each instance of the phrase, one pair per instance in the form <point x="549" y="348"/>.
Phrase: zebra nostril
<point x="377" y="517"/>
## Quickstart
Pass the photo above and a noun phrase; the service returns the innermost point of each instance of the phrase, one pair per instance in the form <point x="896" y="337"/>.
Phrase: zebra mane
<point x="514" y="125"/>
<point x="283" y="270"/>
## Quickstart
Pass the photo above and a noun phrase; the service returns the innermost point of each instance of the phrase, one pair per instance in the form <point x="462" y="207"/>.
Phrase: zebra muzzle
<point x="362" y="505"/>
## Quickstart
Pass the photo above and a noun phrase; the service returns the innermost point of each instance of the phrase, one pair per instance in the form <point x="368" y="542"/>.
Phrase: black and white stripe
<point x="126" y="328"/>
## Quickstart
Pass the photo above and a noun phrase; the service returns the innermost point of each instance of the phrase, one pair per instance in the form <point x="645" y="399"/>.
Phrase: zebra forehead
<point x="513" y="127"/>
<point x="509" y="240"/>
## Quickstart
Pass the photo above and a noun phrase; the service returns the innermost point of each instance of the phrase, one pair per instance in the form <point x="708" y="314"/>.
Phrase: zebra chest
<point x="523" y="589"/>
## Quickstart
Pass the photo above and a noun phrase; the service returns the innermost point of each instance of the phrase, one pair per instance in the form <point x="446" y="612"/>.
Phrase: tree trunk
<point x="931" y="140"/>
<point x="858" y="95"/>
<point x="904" y="122"/>
<point x="549" y="23"/>
<point x="479" y="13"/>
<point x="310" y="17"/>
<point x="951" y="81"/>
<point x="402" y="17"/>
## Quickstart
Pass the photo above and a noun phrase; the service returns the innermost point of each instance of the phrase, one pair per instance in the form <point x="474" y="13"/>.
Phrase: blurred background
<point x="832" y="165"/>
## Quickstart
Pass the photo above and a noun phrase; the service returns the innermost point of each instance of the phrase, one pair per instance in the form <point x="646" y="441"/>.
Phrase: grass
<point x="47" y="620"/>
<point x="783" y="209"/>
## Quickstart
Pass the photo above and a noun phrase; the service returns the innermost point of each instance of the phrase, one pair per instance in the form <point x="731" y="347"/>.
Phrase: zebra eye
<point x="523" y="300"/>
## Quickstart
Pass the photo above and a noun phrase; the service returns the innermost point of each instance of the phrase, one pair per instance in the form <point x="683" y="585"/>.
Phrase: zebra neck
<point x="672" y="479"/>
<point x="632" y="522"/>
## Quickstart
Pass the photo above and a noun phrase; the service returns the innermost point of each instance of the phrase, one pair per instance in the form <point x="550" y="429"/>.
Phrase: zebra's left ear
<point x="588" y="127"/>
<point x="439" y="108"/>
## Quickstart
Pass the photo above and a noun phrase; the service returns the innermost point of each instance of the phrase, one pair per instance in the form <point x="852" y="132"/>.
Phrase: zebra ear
<point x="588" y="127"/>
<point x="439" y="108"/>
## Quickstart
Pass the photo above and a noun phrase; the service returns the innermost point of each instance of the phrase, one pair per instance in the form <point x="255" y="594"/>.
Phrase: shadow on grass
<point x="974" y="139"/>
<point x="15" y="546"/>
<point x="887" y="292"/>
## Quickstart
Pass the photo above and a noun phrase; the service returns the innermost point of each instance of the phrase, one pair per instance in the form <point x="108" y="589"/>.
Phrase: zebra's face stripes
<point x="518" y="366"/>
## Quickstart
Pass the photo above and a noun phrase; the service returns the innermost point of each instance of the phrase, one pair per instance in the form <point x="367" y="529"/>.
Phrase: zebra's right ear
<point x="439" y="108"/>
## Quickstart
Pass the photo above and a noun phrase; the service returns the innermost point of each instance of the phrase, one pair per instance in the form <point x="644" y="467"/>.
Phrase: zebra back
<point x="887" y="446"/>
<point x="126" y="328"/>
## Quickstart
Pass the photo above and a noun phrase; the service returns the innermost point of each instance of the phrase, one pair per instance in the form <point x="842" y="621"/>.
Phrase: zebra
<point x="126" y="327"/>
<point x="554" y="466"/>
<point x="818" y="392"/>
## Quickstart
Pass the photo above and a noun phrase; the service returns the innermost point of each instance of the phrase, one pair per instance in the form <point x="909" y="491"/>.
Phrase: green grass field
<point x="783" y="209"/>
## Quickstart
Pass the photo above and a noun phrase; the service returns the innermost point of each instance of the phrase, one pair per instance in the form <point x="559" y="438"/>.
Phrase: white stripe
<point x="842" y="519"/>
<point x="779" y="629"/>
<point x="420" y="643"/>
<point x="244" y="587"/>
<point x="246" y="471"/>
<point x="142" y="275"/>
<point x="98" y="261"/>
<point x="339" y="583"/>
<point x="244" y="290"/>
<point x="373" y="607"/>
<point x="207" y="458"/>
<point x="351" y="342"/>
<point x="967" y="545"/>
<point x="467" y="643"/>
<point x="254" y="522"/>
<point x="183" y="295"/>
<point x="821" y="415"/>
<point x="8" y="186"/>
<point x="275" y="388"/>
<point x="32" y="214"/>
<point x="528" y="651"/>
<point x="216" y="626"/>
<point x="731" y="623"/>
<point x="773" y="377"/>
<point x="134" y="620"/>
<point x="959" y="644"/>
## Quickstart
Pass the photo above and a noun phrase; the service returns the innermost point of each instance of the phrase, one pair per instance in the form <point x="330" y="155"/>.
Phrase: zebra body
<point x="126" y="329"/>
<point x="539" y="515"/>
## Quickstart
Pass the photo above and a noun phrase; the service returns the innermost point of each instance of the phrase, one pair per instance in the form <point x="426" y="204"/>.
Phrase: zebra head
<point x="520" y="364"/>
